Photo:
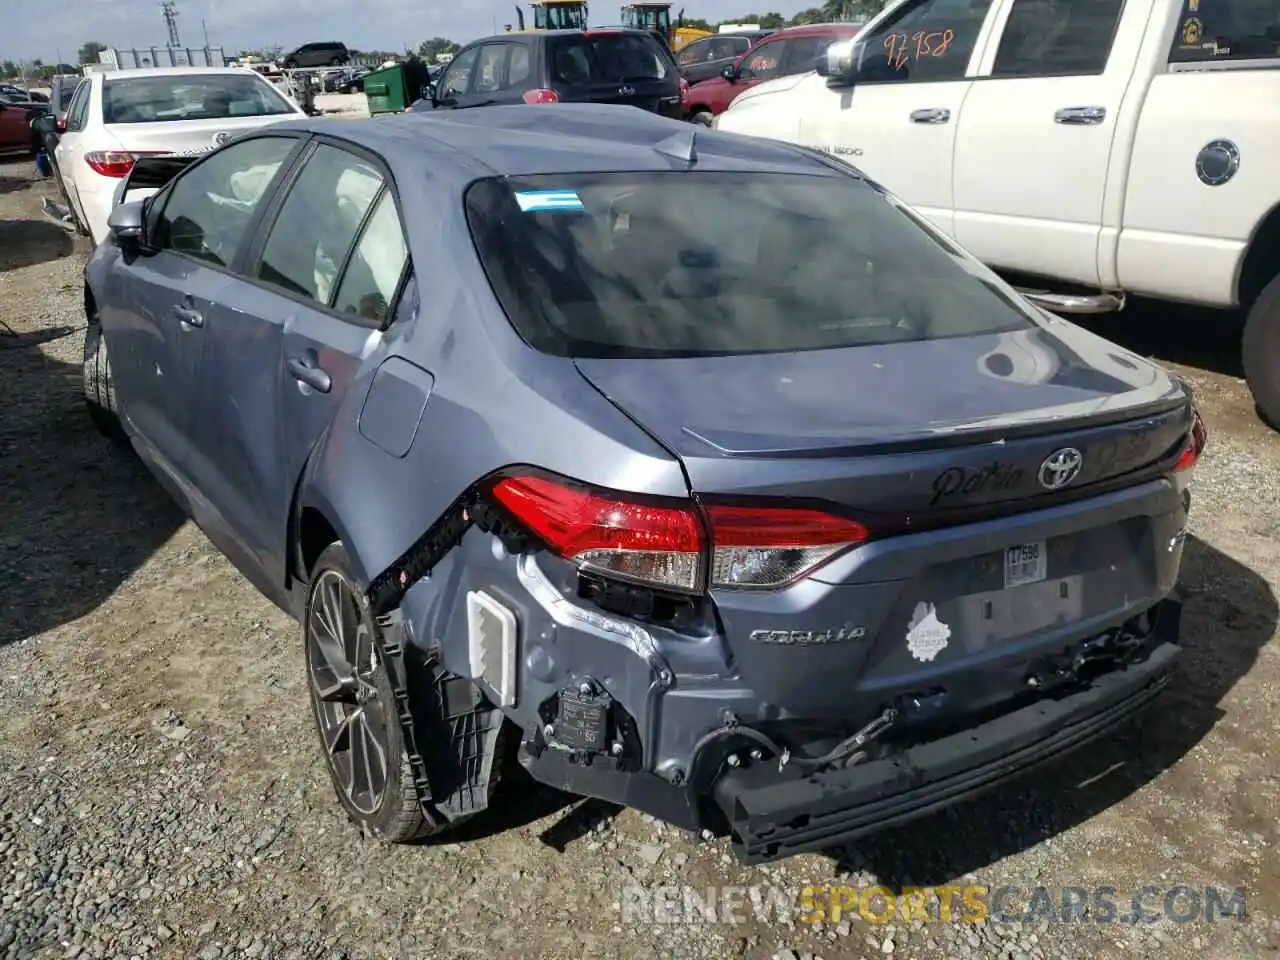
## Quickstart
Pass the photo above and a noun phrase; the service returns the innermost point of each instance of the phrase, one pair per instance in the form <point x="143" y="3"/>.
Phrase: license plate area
<point x="1025" y="564"/>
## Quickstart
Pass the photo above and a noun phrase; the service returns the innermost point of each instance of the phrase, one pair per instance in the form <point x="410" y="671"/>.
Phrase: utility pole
<point x="170" y="10"/>
<point x="205" y="30"/>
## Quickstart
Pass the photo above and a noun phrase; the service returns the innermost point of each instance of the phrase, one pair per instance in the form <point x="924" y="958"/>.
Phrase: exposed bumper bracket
<point x="771" y="820"/>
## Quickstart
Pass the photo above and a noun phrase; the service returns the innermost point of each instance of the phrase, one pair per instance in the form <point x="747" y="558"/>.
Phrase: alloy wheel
<point x="344" y="673"/>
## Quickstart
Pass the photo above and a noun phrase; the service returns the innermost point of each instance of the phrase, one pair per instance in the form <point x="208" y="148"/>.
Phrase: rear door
<point x="322" y="282"/>
<point x="629" y="69"/>
<point x="156" y="329"/>
<point x="1051" y="90"/>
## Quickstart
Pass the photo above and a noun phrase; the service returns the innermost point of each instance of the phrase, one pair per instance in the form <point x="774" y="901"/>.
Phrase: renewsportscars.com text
<point x="815" y="904"/>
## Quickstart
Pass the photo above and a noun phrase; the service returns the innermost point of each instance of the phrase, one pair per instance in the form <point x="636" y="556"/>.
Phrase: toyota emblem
<point x="221" y="137"/>
<point x="1060" y="468"/>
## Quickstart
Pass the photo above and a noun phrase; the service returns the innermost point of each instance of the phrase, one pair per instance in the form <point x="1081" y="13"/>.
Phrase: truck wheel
<point x="354" y="705"/>
<point x="1261" y="353"/>
<point x="701" y="115"/>
<point x="98" y="387"/>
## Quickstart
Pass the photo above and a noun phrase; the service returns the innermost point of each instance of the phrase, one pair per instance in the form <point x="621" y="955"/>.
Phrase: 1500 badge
<point x="805" y="638"/>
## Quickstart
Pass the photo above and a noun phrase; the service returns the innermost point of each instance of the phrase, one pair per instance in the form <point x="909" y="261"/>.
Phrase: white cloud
<point x="238" y="24"/>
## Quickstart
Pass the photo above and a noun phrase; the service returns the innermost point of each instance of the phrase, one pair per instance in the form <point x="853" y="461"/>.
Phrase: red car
<point x="794" y="50"/>
<point x="16" y="135"/>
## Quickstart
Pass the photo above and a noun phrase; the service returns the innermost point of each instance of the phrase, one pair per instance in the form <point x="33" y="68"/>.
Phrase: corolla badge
<point x="805" y="638"/>
<point x="626" y="91"/>
<point x="1060" y="468"/>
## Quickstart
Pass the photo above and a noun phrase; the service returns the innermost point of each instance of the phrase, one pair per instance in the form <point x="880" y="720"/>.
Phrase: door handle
<point x="1079" y="116"/>
<point x="188" y="316"/>
<point x="930" y="115"/>
<point x="311" y="375"/>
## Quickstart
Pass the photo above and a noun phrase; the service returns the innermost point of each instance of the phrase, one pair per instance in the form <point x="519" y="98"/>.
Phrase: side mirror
<point x="126" y="225"/>
<point x="730" y="73"/>
<point x="841" y="61"/>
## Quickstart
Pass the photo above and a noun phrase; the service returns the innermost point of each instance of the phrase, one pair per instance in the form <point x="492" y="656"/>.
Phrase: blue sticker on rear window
<point x="535" y="201"/>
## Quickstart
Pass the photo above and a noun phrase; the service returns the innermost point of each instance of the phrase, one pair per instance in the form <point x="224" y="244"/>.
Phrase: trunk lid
<point x="938" y="448"/>
<point x="628" y="69"/>
<point x="904" y="427"/>
<point x="176" y="136"/>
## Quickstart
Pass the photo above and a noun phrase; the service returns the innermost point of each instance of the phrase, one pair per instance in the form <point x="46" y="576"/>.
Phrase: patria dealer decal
<point x="927" y="636"/>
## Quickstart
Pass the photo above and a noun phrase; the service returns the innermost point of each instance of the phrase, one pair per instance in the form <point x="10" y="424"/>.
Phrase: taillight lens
<point x="639" y="541"/>
<point x="684" y="93"/>
<point x="541" y="95"/>
<point x="1195" y="447"/>
<point x="772" y="546"/>
<point x="668" y="545"/>
<point x="110" y="163"/>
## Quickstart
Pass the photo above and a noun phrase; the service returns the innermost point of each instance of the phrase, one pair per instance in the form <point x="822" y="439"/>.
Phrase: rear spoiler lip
<point x="152" y="173"/>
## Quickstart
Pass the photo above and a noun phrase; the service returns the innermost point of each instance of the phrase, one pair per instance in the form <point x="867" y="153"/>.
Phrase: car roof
<point x="525" y="140"/>
<point x="807" y="28"/>
<point x="175" y="72"/>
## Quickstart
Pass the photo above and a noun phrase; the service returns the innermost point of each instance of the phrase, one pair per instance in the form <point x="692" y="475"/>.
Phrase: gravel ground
<point x="162" y="794"/>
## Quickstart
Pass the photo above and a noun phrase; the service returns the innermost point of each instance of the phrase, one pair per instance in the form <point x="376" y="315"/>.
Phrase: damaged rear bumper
<point x="770" y="818"/>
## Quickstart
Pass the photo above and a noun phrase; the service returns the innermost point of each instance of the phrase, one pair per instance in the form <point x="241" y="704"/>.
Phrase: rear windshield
<point x="198" y="97"/>
<point x="701" y="264"/>
<point x="610" y="58"/>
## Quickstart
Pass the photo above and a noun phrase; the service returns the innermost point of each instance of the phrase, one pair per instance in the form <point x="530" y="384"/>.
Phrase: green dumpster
<point x="384" y="90"/>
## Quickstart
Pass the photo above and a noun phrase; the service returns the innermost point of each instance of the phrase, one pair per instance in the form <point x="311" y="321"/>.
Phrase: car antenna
<point x="680" y="146"/>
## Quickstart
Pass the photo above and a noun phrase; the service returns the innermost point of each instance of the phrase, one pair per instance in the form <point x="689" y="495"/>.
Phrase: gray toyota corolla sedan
<point x="694" y="470"/>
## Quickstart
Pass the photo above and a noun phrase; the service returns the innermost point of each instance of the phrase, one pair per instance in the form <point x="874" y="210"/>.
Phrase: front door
<point x="289" y="344"/>
<point x="156" y="335"/>
<point x="1036" y="134"/>
<point x="898" y="122"/>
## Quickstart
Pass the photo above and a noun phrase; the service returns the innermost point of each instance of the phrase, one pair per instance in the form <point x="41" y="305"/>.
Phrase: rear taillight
<point x="110" y="163"/>
<point x="772" y="546"/>
<point x="643" y="541"/>
<point x="1195" y="445"/>
<point x="669" y="544"/>
<point x="684" y="93"/>
<point x="541" y="95"/>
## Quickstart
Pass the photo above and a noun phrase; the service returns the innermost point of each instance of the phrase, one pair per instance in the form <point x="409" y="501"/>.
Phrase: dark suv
<point x="330" y="54"/>
<point x="629" y="67"/>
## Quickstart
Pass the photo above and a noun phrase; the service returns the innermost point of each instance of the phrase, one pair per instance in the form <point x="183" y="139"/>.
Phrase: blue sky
<point x="237" y="24"/>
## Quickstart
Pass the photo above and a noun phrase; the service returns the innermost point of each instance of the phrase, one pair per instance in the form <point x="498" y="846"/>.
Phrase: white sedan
<point x="116" y="117"/>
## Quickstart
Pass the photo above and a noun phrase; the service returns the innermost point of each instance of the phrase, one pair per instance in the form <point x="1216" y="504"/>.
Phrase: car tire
<point x="291" y="64"/>
<point x="702" y="116"/>
<point x="354" y="705"/>
<point x="1260" y="353"/>
<point x="98" y="387"/>
<point x="335" y="62"/>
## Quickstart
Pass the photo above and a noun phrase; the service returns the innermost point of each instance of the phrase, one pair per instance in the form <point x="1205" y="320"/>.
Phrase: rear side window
<point x="805" y="51"/>
<point x="710" y="263"/>
<point x="609" y="58"/>
<point x="210" y="96"/>
<point x="1210" y="30"/>
<point x="317" y="223"/>
<point x="1046" y="38"/>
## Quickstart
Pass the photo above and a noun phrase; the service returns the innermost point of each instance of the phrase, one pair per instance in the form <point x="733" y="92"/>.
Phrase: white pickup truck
<point x="1087" y="148"/>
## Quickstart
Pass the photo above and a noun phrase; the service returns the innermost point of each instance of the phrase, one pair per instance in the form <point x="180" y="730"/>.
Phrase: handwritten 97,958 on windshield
<point x="902" y="48"/>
